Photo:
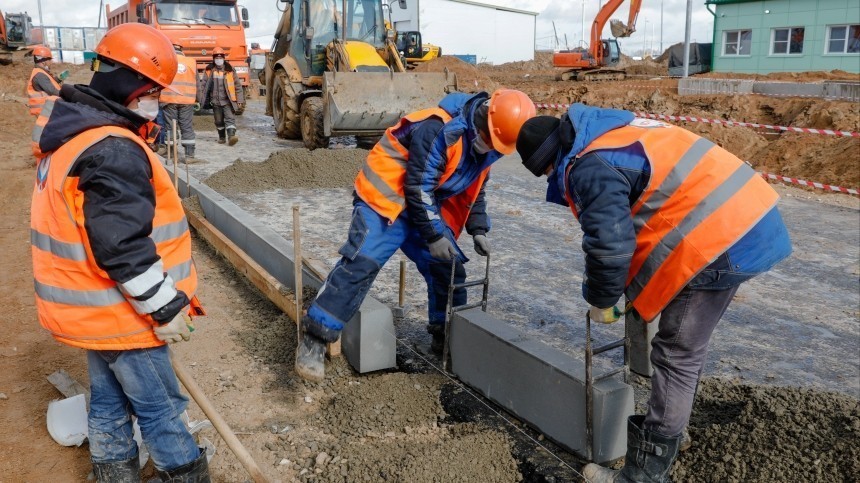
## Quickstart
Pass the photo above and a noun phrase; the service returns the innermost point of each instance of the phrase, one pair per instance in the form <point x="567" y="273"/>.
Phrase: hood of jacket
<point x="78" y="109"/>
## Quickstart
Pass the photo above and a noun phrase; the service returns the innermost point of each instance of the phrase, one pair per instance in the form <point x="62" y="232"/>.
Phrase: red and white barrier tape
<point x="828" y="132"/>
<point x="810" y="184"/>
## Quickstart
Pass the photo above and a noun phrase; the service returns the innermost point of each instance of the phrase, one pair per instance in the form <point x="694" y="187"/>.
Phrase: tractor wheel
<point x="285" y="108"/>
<point x="367" y="142"/>
<point x="312" y="123"/>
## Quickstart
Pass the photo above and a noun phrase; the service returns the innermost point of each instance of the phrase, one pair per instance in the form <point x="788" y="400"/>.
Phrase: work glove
<point x="605" y="316"/>
<point x="63" y="75"/>
<point x="196" y="106"/>
<point x="176" y="330"/>
<point x="241" y="108"/>
<point x="442" y="249"/>
<point x="482" y="245"/>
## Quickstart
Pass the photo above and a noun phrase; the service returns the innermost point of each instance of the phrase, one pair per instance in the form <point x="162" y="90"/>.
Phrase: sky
<point x="567" y="15"/>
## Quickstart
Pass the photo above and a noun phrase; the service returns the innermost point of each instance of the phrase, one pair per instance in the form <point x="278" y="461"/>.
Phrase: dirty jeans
<point x="370" y="243"/>
<point x="183" y="114"/>
<point x="678" y="353"/>
<point x="139" y="382"/>
<point x="224" y="118"/>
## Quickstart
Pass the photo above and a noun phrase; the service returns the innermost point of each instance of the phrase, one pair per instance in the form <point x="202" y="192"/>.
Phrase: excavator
<point x="595" y="64"/>
<point x="334" y="70"/>
<point x="14" y="36"/>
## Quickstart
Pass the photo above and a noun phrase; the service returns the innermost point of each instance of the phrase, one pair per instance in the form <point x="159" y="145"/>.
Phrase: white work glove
<point x="176" y="330"/>
<point x="442" y="249"/>
<point x="604" y="316"/>
<point x="482" y="245"/>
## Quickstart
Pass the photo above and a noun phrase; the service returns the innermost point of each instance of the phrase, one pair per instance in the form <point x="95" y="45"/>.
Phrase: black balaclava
<point x="121" y="85"/>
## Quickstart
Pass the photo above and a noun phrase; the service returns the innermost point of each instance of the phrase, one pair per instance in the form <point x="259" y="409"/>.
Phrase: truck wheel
<point x="312" y="123"/>
<point x="285" y="108"/>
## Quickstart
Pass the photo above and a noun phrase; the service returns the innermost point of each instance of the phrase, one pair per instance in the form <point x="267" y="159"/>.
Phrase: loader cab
<point x="611" y="52"/>
<point x="410" y="44"/>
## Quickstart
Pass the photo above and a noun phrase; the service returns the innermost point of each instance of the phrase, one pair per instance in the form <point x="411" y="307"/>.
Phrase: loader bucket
<point x="618" y="28"/>
<point x="368" y="103"/>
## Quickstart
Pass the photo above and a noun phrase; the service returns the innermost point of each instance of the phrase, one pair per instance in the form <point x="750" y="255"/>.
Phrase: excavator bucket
<point x="368" y="103"/>
<point x="618" y="28"/>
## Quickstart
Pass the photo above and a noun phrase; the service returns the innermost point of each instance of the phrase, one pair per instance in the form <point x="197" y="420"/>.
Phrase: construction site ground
<point x="779" y="401"/>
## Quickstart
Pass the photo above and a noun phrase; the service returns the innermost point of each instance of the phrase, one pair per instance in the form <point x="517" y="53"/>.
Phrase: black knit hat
<point x="538" y="143"/>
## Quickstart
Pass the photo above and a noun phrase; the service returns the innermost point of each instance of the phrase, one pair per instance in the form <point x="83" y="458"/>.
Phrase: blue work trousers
<point x="371" y="242"/>
<point x="139" y="382"/>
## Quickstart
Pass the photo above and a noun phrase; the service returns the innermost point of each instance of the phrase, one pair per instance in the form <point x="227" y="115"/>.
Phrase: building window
<point x="737" y="42"/>
<point x="843" y="39"/>
<point x="787" y="41"/>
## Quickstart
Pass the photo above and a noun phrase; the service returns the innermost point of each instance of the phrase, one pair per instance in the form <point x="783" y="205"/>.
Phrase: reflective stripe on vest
<point x="380" y="182"/>
<point x="36" y="99"/>
<point x="39" y="127"/>
<point x="700" y="200"/>
<point x="76" y="300"/>
<point x="184" y="85"/>
<point x="227" y="79"/>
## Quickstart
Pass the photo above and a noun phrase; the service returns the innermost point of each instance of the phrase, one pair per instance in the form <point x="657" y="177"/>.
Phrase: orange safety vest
<point x="382" y="177"/>
<point x="36" y="99"/>
<point x="184" y="85"/>
<point x="227" y="79"/>
<point x="700" y="200"/>
<point x="76" y="300"/>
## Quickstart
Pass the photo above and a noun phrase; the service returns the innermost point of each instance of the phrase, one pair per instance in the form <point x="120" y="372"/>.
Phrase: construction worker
<point x="420" y="185"/>
<point x="42" y="82"/>
<point x="224" y="95"/>
<point x="112" y="254"/>
<point x="179" y="103"/>
<point x="670" y="220"/>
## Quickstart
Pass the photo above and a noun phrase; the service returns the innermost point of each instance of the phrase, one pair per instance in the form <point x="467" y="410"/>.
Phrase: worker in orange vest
<point x="223" y="93"/>
<point x="112" y="254"/>
<point x="42" y="82"/>
<point x="421" y="184"/>
<point x="180" y="101"/>
<point x="670" y="220"/>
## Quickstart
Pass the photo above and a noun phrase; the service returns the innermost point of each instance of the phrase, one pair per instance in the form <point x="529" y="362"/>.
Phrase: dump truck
<point x="334" y="70"/>
<point x="15" y="30"/>
<point x="198" y="26"/>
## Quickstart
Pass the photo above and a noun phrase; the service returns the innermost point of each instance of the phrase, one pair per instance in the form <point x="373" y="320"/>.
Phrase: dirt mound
<point x="542" y="61"/>
<point x="751" y="433"/>
<point x="291" y="168"/>
<point x="644" y="67"/>
<point x="469" y="77"/>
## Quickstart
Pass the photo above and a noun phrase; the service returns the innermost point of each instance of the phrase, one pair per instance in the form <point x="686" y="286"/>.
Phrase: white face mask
<point x="219" y="62"/>
<point x="480" y="146"/>
<point x="145" y="107"/>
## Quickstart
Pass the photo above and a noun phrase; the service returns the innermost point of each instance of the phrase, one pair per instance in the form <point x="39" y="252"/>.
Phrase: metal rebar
<point x="589" y="389"/>
<point x="486" y="293"/>
<point x="402" y="293"/>
<point x="460" y="308"/>
<point x="448" y="313"/>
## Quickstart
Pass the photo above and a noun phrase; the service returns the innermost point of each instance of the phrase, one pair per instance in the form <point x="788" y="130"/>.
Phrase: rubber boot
<point x="437" y="334"/>
<point x="649" y="457"/>
<point x="127" y="471"/>
<point x="189" y="154"/>
<point x="222" y="137"/>
<point x="195" y="472"/>
<point x="231" y="135"/>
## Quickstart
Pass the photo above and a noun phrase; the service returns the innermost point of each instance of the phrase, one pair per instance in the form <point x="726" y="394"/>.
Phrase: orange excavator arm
<point x="595" y="48"/>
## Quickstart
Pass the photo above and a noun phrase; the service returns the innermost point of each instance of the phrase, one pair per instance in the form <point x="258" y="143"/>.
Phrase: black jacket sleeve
<point x="478" y="222"/>
<point x="423" y="172"/>
<point x="43" y="84"/>
<point x="119" y="205"/>
<point x="609" y="238"/>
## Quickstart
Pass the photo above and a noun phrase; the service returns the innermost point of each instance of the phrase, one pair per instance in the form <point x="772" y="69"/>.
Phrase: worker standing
<point x="112" y="254"/>
<point x="673" y="222"/>
<point x="42" y="82"/>
<point x="223" y="93"/>
<point x="180" y="101"/>
<point x="420" y="185"/>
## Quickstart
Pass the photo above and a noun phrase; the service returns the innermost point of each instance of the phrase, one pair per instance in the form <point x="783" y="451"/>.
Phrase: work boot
<point x="189" y="154"/>
<point x="649" y="457"/>
<point x="127" y="471"/>
<point x="161" y="149"/>
<point x="195" y="472"/>
<point x="686" y="440"/>
<point x="310" y="356"/>
<point x="222" y="136"/>
<point x="437" y="334"/>
<point x="231" y="134"/>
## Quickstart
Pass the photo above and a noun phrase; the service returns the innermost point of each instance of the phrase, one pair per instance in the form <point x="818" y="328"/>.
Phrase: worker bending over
<point x="222" y="92"/>
<point x="180" y="101"/>
<point x="670" y="220"/>
<point x="419" y="186"/>
<point x="112" y="254"/>
<point x="42" y="83"/>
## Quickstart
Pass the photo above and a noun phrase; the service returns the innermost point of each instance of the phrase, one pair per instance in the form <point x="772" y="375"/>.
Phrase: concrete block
<point x="371" y="346"/>
<point x="691" y="86"/>
<point x="640" y="335"/>
<point x="539" y="384"/>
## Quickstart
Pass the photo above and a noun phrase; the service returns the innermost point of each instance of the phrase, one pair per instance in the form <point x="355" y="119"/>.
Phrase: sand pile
<point x="291" y="168"/>
<point x="469" y="77"/>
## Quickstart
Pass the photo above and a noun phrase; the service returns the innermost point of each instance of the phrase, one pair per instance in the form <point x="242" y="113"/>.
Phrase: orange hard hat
<point x="509" y="109"/>
<point x="142" y="49"/>
<point x="217" y="51"/>
<point x="40" y="52"/>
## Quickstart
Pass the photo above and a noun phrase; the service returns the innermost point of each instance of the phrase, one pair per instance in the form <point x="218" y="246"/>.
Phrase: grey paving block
<point x="539" y="384"/>
<point x="368" y="340"/>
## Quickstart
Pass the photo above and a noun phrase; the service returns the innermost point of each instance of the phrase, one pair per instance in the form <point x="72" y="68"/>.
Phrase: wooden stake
<point x="175" y="159"/>
<point x="297" y="262"/>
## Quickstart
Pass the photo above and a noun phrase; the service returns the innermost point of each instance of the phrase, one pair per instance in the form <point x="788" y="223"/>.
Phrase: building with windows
<point x="763" y="36"/>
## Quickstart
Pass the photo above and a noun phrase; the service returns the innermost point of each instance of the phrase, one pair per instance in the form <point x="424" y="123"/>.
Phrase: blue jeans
<point x="162" y="133"/>
<point x="139" y="382"/>
<point x="370" y="243"/>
